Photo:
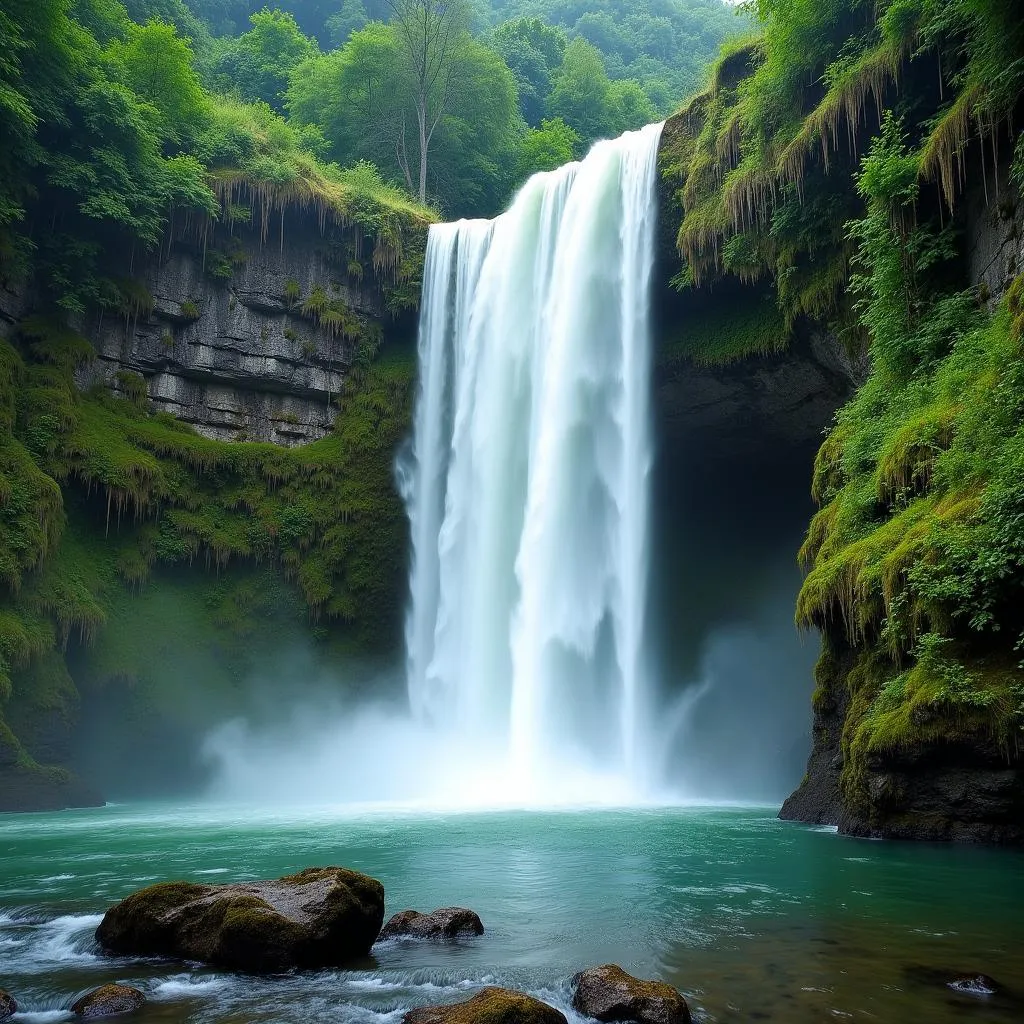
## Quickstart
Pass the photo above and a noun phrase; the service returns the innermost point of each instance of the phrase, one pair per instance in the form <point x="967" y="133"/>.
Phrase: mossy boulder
<point x="446" y="923"/>
<point x="322" y="917"/>
<point x="491" y="1006"/>
<point x="8" y="1005"/>
<point x="108" y="1001"/>
<point x="609" y="994"/>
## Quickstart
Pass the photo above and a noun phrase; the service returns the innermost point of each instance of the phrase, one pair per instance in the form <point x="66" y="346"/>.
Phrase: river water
<point x="752" y="918"/>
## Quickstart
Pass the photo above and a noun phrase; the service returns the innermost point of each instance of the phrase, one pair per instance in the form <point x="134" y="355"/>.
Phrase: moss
<point x="135" y="301"/>
<point x="190" y="310"/>
<point x="109" y="512"/>
<point x="728" y="333"/>
<point x="133" y="386"/>
<point x="491" y="1006"/>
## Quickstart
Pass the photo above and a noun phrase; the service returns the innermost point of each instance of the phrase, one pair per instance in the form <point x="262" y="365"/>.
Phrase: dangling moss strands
<point x="944" y="155"/>
<point x="332" y="202"/>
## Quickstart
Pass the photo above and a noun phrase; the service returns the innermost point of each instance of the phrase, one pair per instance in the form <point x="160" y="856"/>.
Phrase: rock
<point x="491" y="1006"/>
<point x="232" y="356"/>
<point x="8" y="1005"/>
<point x="975" y="985"/>
<point x="322" y="917"/>
<point x="446" y="923"/>
<point x="108" y="1001"/>
<point x="610" y="994"/>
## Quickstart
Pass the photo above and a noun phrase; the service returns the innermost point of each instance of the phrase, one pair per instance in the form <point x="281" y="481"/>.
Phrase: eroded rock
<point x="491" y="1006"/>
<point x="108" y="1001"/>
<point x="322" y="917"/>
<point x="8" y="1005"/>
<point x="446" y="923"/>
<point x="609" y="994"/>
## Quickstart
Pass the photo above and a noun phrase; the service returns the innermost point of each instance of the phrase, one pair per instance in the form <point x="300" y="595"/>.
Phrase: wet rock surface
<point x="108" y="1001"/>
<point x="8" y="1005"/>
<point x="446" y="923"/>
<point x="234" y="357"/>
<point x="322" y="917"/>
<point x="491" y="1006"/>
<point x="975" y="985"/>
<point x="609" y="994"/>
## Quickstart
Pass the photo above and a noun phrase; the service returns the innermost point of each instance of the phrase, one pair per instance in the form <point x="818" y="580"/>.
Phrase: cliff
<point x="234" y="356"/>
<point x="874" y="202"/>
<point x="198" y="488"/>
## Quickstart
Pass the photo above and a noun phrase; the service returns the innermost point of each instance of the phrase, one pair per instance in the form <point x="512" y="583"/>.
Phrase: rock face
<point x="492" y="1006"/>
<point x="994" y="230"/>
<point x="609" y="994"/>
<point x="109" y="1001"/>
<point x="963" y="791"/>
<point x="8" y="1005"/>
<point x="446" y="923"/>
<point x="764" y="402"/>
<point x="233" y="355"/>
<point x="26" y="789"/>
<point x="322" y="917"/>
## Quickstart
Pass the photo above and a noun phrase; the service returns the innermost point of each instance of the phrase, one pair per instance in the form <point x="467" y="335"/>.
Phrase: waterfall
<point x="528" y="485"/>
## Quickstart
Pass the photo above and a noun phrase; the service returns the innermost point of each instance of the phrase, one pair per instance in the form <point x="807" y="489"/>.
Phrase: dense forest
<point x="117" y="113"/>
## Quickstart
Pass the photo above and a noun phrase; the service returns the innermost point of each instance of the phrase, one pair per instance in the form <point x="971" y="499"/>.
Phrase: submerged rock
<point x="446" y="923"/>
<point x="975" y="985"/>
<point x="8" y="1005"/>
<point x="609" y="994"/>
<point x="108" y="1001"/>
<point x="322" y="917"/>
<point x="491" y="1006"/>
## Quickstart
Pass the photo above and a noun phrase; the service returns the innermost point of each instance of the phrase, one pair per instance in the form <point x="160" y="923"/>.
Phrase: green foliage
<point x="533" y="51"/>
<point x="257" y="65"/>
<point x="769" y="152"/>
<point x="157" y="65"/>
<point x="364" y="103"/>
<point x="802" y="164"/>
<point x="728" y="333"/>
<point x="146" y="494"/>
<point x="547" y="148"/>
<point x="662" y="46"/>
<point x="112" y="144"/>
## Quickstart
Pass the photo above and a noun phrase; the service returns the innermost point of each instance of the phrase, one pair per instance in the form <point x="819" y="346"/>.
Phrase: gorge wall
<point x="221" y="519"/>
<point x="232" y="354"/>
<point x="872" y="206"/>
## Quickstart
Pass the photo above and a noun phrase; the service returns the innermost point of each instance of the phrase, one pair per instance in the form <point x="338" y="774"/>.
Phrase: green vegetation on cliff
<point x="115" y="155"/>
<point x="98" y="494"/>
<point x="829" y="159"/>
<point x="114" y="145"/>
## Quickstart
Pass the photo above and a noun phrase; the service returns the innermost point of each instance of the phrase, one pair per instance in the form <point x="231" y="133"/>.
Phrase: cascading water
<point x="528" y="487"/>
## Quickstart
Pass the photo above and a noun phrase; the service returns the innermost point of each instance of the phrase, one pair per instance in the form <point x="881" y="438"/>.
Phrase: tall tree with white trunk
<point x="432" y="34"/>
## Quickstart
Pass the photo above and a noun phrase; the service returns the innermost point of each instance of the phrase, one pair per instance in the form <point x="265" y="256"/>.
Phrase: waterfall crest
<point x="528" y="485"/>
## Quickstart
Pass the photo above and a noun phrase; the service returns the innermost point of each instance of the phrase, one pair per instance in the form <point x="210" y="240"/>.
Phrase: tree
<point x="533" y="51"/>
<point x="580" y="96"/>
<point x="546" y="148"/>
<point x="350" y="18"/>
<point x="432" y="40"/>
<point x="157" y="65"/>
<point x="257" y="65"/>
<point x="630" y="106"/>
<point x="360" y="97"/>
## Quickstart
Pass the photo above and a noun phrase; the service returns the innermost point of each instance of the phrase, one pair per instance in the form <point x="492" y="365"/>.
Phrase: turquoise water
<point x="754" y="919"/>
